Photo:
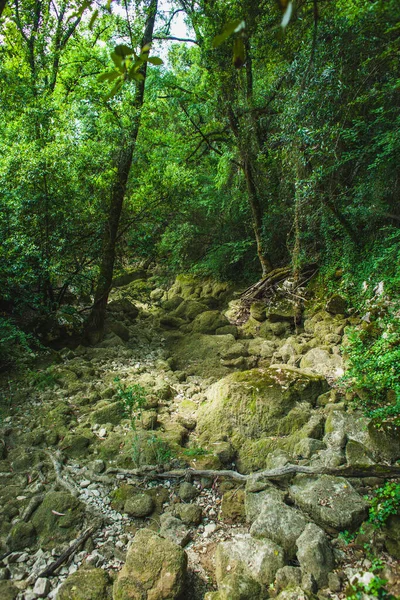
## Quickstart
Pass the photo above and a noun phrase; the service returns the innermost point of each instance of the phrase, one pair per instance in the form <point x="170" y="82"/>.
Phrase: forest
<point x="199" y="299"/>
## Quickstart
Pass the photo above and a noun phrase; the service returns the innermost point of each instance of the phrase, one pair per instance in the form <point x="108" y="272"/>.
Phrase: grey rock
<point x="330" y="501"/>
<point x="314" y="554"/>
<point x="139" y="505"/>
<point x="173" y="529"/>
<point x="42" y="587"/>
<point x="287" y="577"/>
<point x="281" y="524"/>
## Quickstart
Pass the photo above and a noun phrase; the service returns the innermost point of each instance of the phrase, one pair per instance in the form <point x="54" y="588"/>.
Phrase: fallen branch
<point x="69" y="552"/>
<point x="32" y="506"/>
<point x="378" y="470"/>
<point x="60" y="480"/>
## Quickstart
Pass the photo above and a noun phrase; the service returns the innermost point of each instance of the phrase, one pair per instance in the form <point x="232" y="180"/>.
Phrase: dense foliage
<point x="259" y="147"/>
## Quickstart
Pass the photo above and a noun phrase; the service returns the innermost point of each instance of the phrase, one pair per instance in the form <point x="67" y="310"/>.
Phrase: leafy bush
<point x="368" y="584"/>
<point x="385" y="503"/>
<point x="373" y="357"/>
<point x="133" y="398"/>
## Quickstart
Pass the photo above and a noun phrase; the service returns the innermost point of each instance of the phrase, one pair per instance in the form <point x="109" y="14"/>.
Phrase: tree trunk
<point x="95" y="323"/>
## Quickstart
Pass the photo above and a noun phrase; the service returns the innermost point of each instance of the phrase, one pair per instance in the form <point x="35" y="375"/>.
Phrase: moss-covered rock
<point x="124" y="306"/>
<point x="318" y="360"/>
<point x="86" y="584"/>
<point x="257" y="310"/>
<point x="255" y="407"/>
<point x="139" y="505"/>
<point x="189" y="309"/>
<point x="76" y="444"/>
<point x="209" y="321"/>
<point x="391" y="532"/>
<point x="55" y="528"/>
<point x="155" y="568"/>
<point x="108" y="413"/>
<point x="232" y="506"/>
<point x="8" y="591"/>
<point x="281" y="310"/>
<point x="190" y="514"/>
<point x="22" y="535"/>
<point x="200" y="354"/>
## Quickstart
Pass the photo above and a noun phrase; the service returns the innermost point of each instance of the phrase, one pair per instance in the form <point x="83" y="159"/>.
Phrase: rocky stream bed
<point x="118" y="508"/>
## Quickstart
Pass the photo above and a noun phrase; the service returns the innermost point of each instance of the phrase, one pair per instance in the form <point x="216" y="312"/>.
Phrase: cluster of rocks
<point x="219" y="393"/>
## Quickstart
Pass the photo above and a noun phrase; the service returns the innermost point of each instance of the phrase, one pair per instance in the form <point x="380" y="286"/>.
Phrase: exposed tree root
<point x="378" y="470"/>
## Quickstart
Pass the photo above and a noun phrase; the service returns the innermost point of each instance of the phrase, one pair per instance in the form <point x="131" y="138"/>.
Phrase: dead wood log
<point x="69" y="552"/>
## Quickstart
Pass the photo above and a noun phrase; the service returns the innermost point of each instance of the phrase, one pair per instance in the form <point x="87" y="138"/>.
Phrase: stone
<point x="257" y="499"/>
<point x="336" y="305"/>
<point x="232" y="506"/>
<point x="258" y="560"/>
<point x="334" y="582"/>
<point x="76" y="444"/>
<point x="57" y="528"/>
<point x="314" y="554"/>
<point x="8" y="591"/>
<point x="307" y="447"/>
<point x="293" y="594"/>
<point x="189" y="309"/>
<point x="86" y="584"/>
<point x="41" y="587"/>
<point x="209" y="321"/>
<point x="357" y="454"/>
<point x="157" y="294"/>
<point x="253" y="408"/>
<point x="257" y="310"/>
<point x="330" y="501"/>
<point x="139" y="505"/>
<point x="281" y="310"/>
<point x="239" y="587"/>
<point x="155" y="568"/>
<point x="175" y="530"/>
<point x="189" y="514"/>
<point x="119" y="329"/>
<point x="109" y="413"/>
<point x="287" y="577"/>
<point x="123" y="306"/>
<point x="280" y="523"/>
<point x="224" y="451"/>
<point x="200" y="354"/>
<point x="22" y="535"/>
<point x="318" y="360"/>
<point x="392" y="535"/>
<point x="187" y="491"/>
<point x="171" y="322"/>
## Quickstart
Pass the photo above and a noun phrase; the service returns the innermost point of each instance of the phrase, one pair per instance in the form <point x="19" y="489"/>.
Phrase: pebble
<point x="209" y="529"/>
<point x="85" y="483"/>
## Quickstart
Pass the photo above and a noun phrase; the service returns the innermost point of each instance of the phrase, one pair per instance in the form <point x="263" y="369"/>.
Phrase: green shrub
<point x="373" y="358"/>
<point x="385" y="503"/>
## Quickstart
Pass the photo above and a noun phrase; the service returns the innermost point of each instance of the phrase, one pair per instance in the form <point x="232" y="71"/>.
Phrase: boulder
<point x="239" y="587"/>
<point x="257" y="310"/>
<point x="287" y="577"/>
<point x="58" y="519"/>
<point x="330" y="501"/>
<point x="336" y="305"/>
<point x="171" y="304"/>
<point x="21" y="536"/>
<point x="189" y="514"/>
<point x="281" y="310"/>
<point x="86" y="584"/>
<point x="108" y="413"/>
<point x="209" y="321"/>
<point x="314" y="554"/>
<point x="318" y="360"/>
<point x="253" y="407"/>
<point x="200" y="354"/>
<point x="256" y="500"/>
<point x="189" y="309"/>
<point x="139" y="505"/>
<point x="281" y="524"/>
<point x="232" y="506"/>
<point x="123" y="306"/>
<point x="175" y="530"/>
<point x="258" y="560"/>
<point x="187" y="491"/>
<point x="392" y="535"/>
<point x="155" y="569"/>
<point x="8" y="591"/>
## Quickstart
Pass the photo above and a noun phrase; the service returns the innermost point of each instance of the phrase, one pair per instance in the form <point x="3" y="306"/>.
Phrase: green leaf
<point x="114" y="90"/>
<point x="123" y="50"/>
<point x="138" y="76"/>
<point x="238" y="53"/>
<point x="109" y="76"/>
<point x="117" y="60"/>
<point x="146" y="49"/>
<point x="93" y="18"/>
<point x="229" y="28"/>
<point x="287" y="15"/>
<point x="155" y="60"/>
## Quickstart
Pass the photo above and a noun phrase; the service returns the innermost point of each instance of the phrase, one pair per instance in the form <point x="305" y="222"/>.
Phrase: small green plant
<point x="368" y="584"/>
<point x="347" y="537"/>
<point x="385" y="503"/>
<point x="162" y="451"/>
<point x="42" y="380"/>
<point x="15" y="344"/>
<point x="195" y="451"/>
<point x="134" y="399"/>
